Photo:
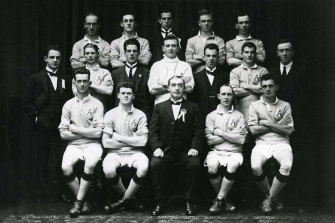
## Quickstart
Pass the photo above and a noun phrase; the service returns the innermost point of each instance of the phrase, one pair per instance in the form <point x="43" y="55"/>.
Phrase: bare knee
<point x="213" y="166"/>
<point x="232" y="166"/>
<point x="142" y="170"/>
<point x="67" y="168"/>
<point x="285" y="168"/>
<point x="89" y="167"/>
<point x="110" y="170"/>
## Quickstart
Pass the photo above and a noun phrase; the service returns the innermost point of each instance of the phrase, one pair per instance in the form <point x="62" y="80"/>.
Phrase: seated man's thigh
<point x="284" y="156"/>
<point x="212" y="162"/>
<point x="71" y="156"/>
<point x="92" y="155"/>
<point x="234" y="161"/>
<point x="141" y="163"/>
<point x="111" y="163"/>
<point x="260" y="154"/>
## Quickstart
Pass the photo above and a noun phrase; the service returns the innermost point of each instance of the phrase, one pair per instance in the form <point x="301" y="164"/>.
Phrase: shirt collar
<point x="288" y="66"/>
<point x="95" y="68"/>
<point x="88" y="97"/>
<point x="166" y="31"/>
<point x="94" y="41"/>
<point x="220" y="111"/>
<point x="266" y="103"/>
<point x="169" y="60"/>
<point x="180" y="100"/>
<point x="207" y="68"/>
<point x="253" y="67"/>
<point x="238" y="38"/>
<point x="131" y="65"/>
<point x="50" y="71"/>
<point x="128" y="112"/>
<point x="125" y="37"/>
<point x="212" y="36"/>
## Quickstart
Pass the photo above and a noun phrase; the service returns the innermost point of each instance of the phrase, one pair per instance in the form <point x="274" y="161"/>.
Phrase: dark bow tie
<point x="175" y="103"/>
<point x="52" y="74"/>
<point x="210" y="72"/>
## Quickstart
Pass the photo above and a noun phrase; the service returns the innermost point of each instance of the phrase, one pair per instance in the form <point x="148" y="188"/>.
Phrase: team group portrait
<point x="200" y="110"/>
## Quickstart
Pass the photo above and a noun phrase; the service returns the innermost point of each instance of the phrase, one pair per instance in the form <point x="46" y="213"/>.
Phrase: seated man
<point x="225" y="133"/>
<point x="81" y="124"/>
<point x="270" y="121"/>
<point x="125" y="135"/>
<point x="176" y="136"/>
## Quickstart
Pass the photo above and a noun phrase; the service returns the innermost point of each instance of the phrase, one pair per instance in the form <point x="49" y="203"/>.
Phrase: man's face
<point x="285" y="52"/>
<point x="269" y="88"/>
<point x="206" y="23"/>
<point x="249" y="54"/>
<point x="226" y="96"/>
<point x="243" y="25"/>
<point x="91" y="55"/>
<point x="82" y="83"/>
<point x="131" y="54"/>
<point x="166" y="20"/>
<point x="170" y="48"/>
<point x="53" y="59"/>
<point x="128" y="23"/>
<point x="211" y="58"/>
<point x="176" y="88"/>
<point x="91" y="25"/>
<point x="126" y="96"/>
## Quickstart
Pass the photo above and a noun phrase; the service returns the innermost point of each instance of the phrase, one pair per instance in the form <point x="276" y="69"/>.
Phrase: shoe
<point x="229" y="207"/>
<point x="138" y="205"/>
<point x="87" y="208"/>
<point x="75" y="211"/>
<point x="158" y="210"/>
<point x="216" y="208"/>
<point x="115" y="207"/>
<point x="266" y="205"/>
<point x="277" y="204"/>
<point x="189" y="209"/>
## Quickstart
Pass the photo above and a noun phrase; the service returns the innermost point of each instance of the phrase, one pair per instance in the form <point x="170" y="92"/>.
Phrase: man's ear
<point x="159" y="21"/>
<point x="45" y="58"/>
<point x="236" y="26"/>
<point x="121" y="24"/>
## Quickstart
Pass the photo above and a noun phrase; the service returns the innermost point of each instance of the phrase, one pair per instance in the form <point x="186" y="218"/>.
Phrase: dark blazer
<point x="156" y="43"/>
<point x="37" y="96"/>
<point x="143" y="99"/>
<point x="200" y="94"/>
<point x="162" y="127"/>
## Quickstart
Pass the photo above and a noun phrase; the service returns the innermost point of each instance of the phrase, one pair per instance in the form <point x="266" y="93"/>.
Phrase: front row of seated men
<point x="176" y="136"/>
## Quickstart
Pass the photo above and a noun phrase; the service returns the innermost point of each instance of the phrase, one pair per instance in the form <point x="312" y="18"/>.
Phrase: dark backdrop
<point x="29" y="26"/>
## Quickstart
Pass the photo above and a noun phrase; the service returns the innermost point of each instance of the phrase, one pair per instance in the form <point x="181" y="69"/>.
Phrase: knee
<point x="67" y="168"/>
<point x="142" y="170"/>
<point x="89" y="167"/>
<point x="110" y="171"/>
<point x="285" y="168"/>
<point x="213" y="167"/>
<point x="232" y="166"/>
<point x="257" y="169"/>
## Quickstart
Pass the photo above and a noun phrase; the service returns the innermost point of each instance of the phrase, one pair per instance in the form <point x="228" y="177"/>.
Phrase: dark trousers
<point x="189" y="170"/>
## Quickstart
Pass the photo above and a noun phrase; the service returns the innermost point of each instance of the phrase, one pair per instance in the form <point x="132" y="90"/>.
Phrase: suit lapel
<point x="44" y="80"/>
<point x="137" y="77"/>
<point x="168" y="109"/>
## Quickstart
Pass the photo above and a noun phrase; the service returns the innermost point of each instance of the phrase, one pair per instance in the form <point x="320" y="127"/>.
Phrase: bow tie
<point x="167" y="32"/>
<point x="53" y="74"/>
<point x="175" y="103"/>
<point x="210" y="72"/>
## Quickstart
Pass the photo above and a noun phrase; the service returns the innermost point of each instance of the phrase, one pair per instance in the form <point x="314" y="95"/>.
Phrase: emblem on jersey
<point x="89" y="115"/>
<point x="232" y="125"/>
<point x="133" y="123"/>
<point x="256" y="79"/>
<point x="278" y="115"/>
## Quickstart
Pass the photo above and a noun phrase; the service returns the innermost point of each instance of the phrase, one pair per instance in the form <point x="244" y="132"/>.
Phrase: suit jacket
<point x="291" y="88"/>
<point x="156" y="43"/>
<point x="201" y="90"/>
<point x="162" y="127"/>
<point x="37" y="96"/>
<point x="143" y="99"/>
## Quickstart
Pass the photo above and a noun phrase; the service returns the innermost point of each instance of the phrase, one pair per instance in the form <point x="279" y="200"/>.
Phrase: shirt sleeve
<point x="65" y="118"/>
<point x="153" y="77"/>
<point x="77" y="52"/>
<point x="104" y="54"/>
<point x="114" y="51"/>
<point x="142" y="127"/>
<point x="189" y="52"/>
<point x="108" y="123"/>
<point x="145" y="54"/>
<point x="107" y="79"/>
<point x="222" y="49"/>
<point x="209" y="130"/>
<point x="188" y="73"/>
<point x="99" y="116"/>
<point x="260" y="48"/>
<point x="253" y="117"/>
<point x="229" y="50"/>
<point x="234" y="80"/>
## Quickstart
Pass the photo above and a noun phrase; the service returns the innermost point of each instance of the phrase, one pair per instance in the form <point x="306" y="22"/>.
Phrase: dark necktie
<point x="52" y="74"/>
<point x="175" y="103"/>
<point x="130" y="75"/>
<point x="284" y="71"/>
<point x="210" y="72"/>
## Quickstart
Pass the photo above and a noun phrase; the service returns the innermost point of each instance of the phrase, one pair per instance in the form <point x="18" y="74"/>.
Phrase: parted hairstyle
<point x="131" y="42"/>
<point x="82" y="70"/>
<point x="267" y="77"/>
<point x="250" y="45"/>
<point x="211" y="46"/>
<point x="92" y="45"/>
<point x="53" y="47"/>
<point x="125" y="84"/>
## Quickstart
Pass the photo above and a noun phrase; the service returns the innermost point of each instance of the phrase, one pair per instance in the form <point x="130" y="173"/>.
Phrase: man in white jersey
<point x="161" y="71"/>
<point x="225" y="133"/>
<point x="124" y="136"/>
<point x="270" y="121"/>
<point x="81" y="125"/>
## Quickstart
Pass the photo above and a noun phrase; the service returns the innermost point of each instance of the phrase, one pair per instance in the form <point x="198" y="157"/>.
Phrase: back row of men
<point x="115" y="54"/>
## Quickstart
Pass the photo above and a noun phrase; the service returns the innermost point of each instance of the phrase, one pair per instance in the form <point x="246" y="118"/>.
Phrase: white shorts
<point x="89" y="152"/>
<point x="271" y="150"/>
<point x="125" y="160"/>
<point x="225" y="158"/>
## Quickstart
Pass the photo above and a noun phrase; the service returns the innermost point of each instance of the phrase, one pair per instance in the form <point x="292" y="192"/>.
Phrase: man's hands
<point x="72" y="128"/>
<point x="158" y="153"/>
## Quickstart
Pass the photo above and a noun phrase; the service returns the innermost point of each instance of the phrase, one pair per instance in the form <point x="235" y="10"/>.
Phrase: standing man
<point x="225" y="133"/>
<point x="136" y="74"/>
<point x="125" y="135"/>
<point x="46" y="93"/>
<point x="91" y="26"/>
<point x="234" y="46"/>
<point x="175" y="136"/>
<point x="165" y="20"/>
<point x="195" y="45"/>
<point x="117" y="53"/>
<point x="81" y="125"/>
<point x="169" y="66"/>
<point x="244" y="79"/>
<point x="271" y="122"/>
<point x="208" y="82"/>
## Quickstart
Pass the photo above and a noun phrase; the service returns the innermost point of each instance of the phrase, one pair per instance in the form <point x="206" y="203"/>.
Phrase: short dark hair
<point x="91" y="14"/>
<point x="125" y="84"/>
<point x="176" y="77"/>
<point x="249" y="44"/>
<point x="129" y="13"/>
<point x="165" y="10"/>
<point x="92" y="45"/>
<point x="171" y="37"/>
<point x="266" y="77"/>
<point x="242" y="13"/>
<point x="232" y="89"/>
<point x="82" y="70"/>
<point x="131" y="41"/>
<point x="202" y="12"/>
<point x="211" y="46"/>
<point x="285" y="41"/>
<point x="53" y="47"/>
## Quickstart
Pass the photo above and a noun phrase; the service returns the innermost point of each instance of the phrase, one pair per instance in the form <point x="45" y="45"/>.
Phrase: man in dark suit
<point x="176" y="135"/>
<point x="138" y="75"/>
<point x="208" y="82"/>
<point x="46" y="94"/>
<point x="165" y="20"/>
